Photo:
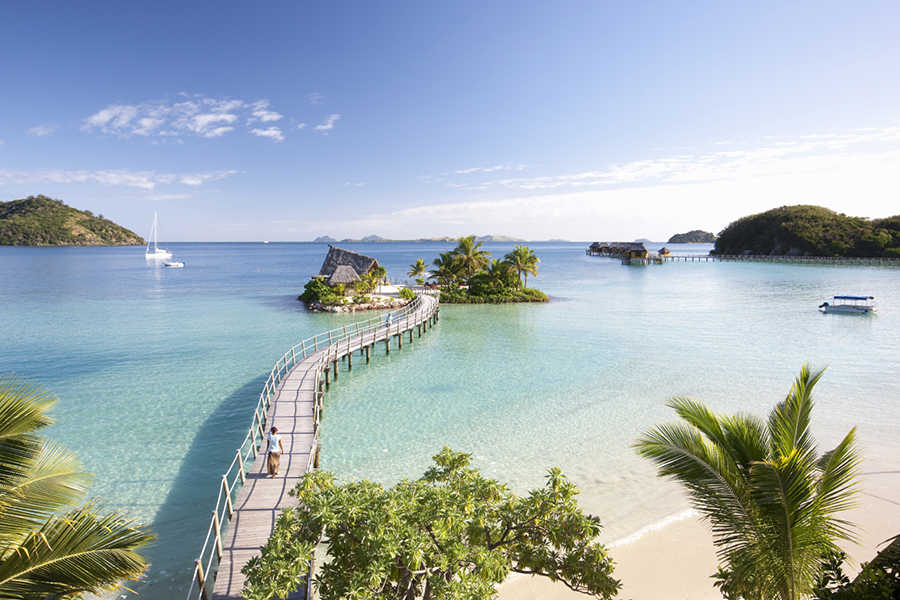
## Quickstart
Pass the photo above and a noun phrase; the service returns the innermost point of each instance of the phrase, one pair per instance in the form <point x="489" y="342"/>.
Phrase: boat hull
<point x="850" y="310"/>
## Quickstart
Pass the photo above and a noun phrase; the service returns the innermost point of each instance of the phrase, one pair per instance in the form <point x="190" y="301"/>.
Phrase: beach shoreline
<point x="675" y="558"/>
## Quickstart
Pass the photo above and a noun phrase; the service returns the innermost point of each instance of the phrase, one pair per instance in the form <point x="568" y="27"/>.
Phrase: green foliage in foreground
<point x="49" y="547"/>
<point x="453" y="534"/>
<point x="407" y="294"/>
<point x="878" y="579"/>
<point x="317" y="289"/>
<point x="43" y="221"/>
<point x="768" y="494"/>
<point x="810" y="231"/>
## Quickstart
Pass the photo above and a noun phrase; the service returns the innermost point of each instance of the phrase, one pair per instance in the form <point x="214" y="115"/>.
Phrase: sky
<point x="584" y="121"/>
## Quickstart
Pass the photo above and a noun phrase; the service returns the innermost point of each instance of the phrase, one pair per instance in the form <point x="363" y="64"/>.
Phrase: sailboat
<point x="156" y="252"/>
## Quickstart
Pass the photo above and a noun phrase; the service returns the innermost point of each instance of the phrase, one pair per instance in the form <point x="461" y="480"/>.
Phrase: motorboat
<point x="156" y="253"/>
<point x="850" y="305"/>
<point x="173" y="264"/>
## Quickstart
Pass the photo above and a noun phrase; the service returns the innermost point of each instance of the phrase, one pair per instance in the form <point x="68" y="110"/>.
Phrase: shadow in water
<point x="183" y="519"/>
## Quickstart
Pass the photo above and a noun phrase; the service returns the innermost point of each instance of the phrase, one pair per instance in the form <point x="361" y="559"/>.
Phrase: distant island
<point x="42" y="221"/>
<point x="693" y="237"/>
<point x="806" y="230"/>
<point x="377" y="238"/>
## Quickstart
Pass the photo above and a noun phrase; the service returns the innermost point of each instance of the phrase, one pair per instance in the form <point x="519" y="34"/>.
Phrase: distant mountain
<point x="693" y="237"/>
<point x="645" y="241"/>
<point x="325" y="239"/>
<point x="43" y="221"/>
<point x="497" y="238"/>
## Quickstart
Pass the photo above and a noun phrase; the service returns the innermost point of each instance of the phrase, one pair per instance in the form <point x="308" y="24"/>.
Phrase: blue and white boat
<point x="850" y="305"/>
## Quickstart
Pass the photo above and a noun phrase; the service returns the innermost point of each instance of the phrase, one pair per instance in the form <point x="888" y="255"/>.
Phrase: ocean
<point x="158" y="370"/>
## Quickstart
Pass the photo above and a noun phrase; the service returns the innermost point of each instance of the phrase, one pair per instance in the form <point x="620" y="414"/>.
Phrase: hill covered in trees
<point x="807" y="230"/>
<point x="695" y="236"/>
<point x="42" y="221"/>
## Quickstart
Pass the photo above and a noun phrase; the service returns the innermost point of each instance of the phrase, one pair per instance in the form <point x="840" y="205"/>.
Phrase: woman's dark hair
<point x="273" y="430"/>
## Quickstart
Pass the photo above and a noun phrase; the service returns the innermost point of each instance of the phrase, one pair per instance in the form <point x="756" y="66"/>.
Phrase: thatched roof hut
<point x="346" y="262"/>
<point x="343" y="274"/>
<point x="664" y="251"/>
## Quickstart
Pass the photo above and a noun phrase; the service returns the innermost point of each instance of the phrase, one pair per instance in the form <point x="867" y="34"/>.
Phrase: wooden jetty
<point x="292" y="402"/>
<point x="806" y="260"/>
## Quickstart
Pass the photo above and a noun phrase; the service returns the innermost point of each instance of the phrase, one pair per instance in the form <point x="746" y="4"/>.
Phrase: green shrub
<point x="407" y="294"/>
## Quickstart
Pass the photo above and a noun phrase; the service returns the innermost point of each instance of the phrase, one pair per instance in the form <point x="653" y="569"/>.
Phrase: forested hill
<point x="43" y="221"/>
<point x="695" y="236"/>
<point x="806" y="230"/>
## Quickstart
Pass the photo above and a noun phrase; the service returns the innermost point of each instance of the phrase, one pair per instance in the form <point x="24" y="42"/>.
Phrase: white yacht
<point x="155" y="252"/>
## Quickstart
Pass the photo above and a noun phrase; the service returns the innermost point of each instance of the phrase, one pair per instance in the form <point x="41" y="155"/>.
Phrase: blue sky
<point x="240" y="121"/>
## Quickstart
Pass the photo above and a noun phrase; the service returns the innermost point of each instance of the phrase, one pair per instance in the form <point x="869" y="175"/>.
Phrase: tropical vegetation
<point x="769" y="496"/>
<point x="695" y="236"/>
<point x="50" y="546"/>
<point x="468" y="275"/>
<point x="453" y="534"/>
<point x="810" y="231"/>
<point x="418" y="270"/>
<point x="878" y="579"/>
<point x="42" y="221"/>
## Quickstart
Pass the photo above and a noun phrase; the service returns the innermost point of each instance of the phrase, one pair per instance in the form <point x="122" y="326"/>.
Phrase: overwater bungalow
<point x="663" y="252"/>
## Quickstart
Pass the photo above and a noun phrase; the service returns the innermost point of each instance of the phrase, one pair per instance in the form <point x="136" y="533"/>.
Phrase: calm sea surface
<point x="158" y="370"/>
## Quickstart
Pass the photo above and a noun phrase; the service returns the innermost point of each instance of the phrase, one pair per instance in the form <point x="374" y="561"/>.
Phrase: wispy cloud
<point x="261" y="112"/>
<point x="146" y="180"/>
<point x="42" y="130"/>
<point x="329" y="123"/>
<point x="272" y="132"/>
<point x="196" y="115"/>
<point x="805" y="154"/>
<point x="316" y="98"/>
<point x="301" y="126"/>
<point x="504" y="167"/>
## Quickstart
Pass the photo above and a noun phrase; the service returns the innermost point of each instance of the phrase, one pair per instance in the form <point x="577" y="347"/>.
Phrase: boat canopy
<point x="854" y="297"/>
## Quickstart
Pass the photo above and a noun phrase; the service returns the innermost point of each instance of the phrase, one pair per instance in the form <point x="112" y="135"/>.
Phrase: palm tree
<point x="48" y="547"/>
<point x="380" y="273"/>
<point x="469" y="255"/>
<point x="523" y="260"/>
<point x="418" y="270"/>
<point x="769" y="496"/>
<point x="447" y="268"/>
<point x="497" y="272"/>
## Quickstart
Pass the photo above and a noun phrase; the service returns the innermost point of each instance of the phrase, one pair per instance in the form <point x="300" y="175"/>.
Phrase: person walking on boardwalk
<point x="275" y="450"/>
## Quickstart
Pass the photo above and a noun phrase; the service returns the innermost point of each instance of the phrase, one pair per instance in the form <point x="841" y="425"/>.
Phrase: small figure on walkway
<point x="275" y="449"/>
<point x="388" y="320"/>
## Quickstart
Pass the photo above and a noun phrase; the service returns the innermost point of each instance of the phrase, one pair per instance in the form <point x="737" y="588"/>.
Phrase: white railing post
<point x="228" y="503"/>
<point x="241" y="466"/>
<point x="217" y="527"/>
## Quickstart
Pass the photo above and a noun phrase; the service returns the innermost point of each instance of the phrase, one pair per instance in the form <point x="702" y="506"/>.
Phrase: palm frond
<point x="23" y="412"/>
<point x="55" y="482"/>
<point x="789" y="421"/>
<point x="81" y="551"/>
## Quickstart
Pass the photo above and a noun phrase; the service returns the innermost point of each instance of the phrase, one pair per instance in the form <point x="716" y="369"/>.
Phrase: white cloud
<point x="42" y="130"/>
<point x="329" y="123"/>
<point x="196" y="115"/>
<point x="261" y="112"/>
<point x="301" y="126"/>
<point x="272" y="132"/>
<point x="146" y="180"/>
<point x="807" y="154"/>
<point x="316" y="98"/>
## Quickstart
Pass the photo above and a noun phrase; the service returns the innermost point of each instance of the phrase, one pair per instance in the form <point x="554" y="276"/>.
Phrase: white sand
<point x="676" y="561"/>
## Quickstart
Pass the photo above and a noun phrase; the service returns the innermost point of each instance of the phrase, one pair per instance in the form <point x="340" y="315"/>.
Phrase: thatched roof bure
<point x="337" y="257"/>
<point x="343" y="274"/>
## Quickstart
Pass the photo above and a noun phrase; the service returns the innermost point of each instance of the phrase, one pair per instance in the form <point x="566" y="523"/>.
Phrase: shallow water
<point x="158" y="369"/>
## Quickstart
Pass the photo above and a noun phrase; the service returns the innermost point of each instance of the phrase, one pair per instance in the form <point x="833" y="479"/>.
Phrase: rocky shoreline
<point x="381" y="303"/>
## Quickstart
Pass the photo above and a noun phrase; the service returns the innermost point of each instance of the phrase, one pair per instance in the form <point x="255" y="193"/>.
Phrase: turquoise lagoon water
<point x="158" y="370"/>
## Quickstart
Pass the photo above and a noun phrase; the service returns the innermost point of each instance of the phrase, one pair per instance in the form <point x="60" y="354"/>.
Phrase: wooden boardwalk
<point x="294" y="411"/>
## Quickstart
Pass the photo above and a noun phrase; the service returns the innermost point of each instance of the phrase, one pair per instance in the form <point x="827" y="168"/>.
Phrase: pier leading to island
<point x="292" y="400"/>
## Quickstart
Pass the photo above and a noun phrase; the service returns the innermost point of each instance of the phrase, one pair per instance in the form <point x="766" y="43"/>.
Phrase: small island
<point x="349" y="281"/>
<point x="42" y="221"/>
<point x="695" y="236"/>
<point x="806" y="230"/>
<point x="467" y="275"/>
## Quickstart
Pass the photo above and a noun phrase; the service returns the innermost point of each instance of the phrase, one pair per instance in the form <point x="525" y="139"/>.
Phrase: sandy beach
<point x="675" y="562"/>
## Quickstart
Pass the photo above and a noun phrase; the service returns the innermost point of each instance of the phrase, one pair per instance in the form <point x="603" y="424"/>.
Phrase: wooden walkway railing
<point x="291" y="400"/>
